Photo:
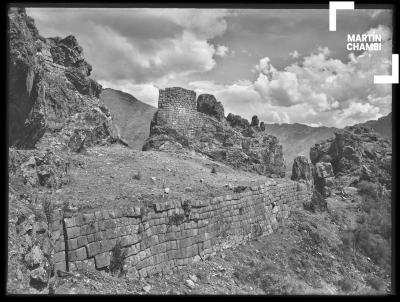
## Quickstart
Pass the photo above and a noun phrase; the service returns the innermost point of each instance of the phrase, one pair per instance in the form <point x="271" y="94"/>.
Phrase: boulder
<point x="254" y="121"/>
<point x="324" y="170"/>
<point x="35" y="257"/>
<point x="207" y="103"/>
<point x="40" y="275"/>
<point x="324" y="178"/>
<point x="237" y="121"/>
<point x="29" y="172"/>
<point x="301" y="169"/>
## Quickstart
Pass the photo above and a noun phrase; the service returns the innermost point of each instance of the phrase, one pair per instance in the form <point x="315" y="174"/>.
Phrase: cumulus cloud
<point x="318" y="88"/>
<point x="140" y="45"/>
<point x="294" y="54"/>
<point x="142" y="50"/>
<point x="222" y="51"/>
<point x="147" y="93"/>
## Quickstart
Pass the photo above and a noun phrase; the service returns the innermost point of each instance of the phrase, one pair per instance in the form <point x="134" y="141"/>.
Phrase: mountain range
<point x="133" y="117"/>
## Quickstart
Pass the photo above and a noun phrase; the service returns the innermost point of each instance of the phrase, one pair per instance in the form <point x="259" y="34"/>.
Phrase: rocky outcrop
<point x="38" y="168"/>
<point x="356" y="152"/>
<point x="324" y="178"/>
<point x="236" y="121"/>
<point x="254" y="121"/>
<point x="177" y="125"/>
<point x="207" y="103"/>
<point x="301" y="169"/>
<point x="52" y="101"/>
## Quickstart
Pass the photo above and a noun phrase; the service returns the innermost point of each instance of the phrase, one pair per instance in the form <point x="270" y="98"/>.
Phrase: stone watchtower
<point x="177" y="109"/>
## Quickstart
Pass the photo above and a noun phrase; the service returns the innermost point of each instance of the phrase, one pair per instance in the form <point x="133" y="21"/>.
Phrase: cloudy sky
<point x="280" y="64"/>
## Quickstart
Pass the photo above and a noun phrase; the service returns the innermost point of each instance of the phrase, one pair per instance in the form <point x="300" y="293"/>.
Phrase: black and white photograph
<point x="200" y="150"/>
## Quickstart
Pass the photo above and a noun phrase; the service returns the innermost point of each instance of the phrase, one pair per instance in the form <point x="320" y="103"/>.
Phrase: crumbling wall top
<point x="178" y="98"/>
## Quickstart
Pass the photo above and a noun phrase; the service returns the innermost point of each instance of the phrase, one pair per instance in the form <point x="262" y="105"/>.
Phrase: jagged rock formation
<point x="178" y="124"/>
<point x="236" y="121"/>
<point x="208" y="104"/>
<point x="324" y="178"/>
<point x="254" y="121"/>
<point x="301" y="169"/>
<point x="356" y="152"/>
<point x="52" y="101"/>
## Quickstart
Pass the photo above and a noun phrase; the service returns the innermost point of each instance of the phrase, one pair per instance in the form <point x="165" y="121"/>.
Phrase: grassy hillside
<point x="130" y="115"/>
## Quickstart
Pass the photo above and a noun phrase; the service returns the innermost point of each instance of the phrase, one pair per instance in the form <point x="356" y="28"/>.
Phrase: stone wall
<point x="174" y="233"/>
<point x="177" y="108"/>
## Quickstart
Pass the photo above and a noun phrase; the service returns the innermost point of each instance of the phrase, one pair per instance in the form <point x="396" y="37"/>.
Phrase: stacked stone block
<point x="177" y="108"/>
<point x="173" y="234"/>
<point x="58" y="238"/>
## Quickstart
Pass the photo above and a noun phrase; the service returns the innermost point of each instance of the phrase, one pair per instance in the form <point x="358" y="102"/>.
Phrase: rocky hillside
<point x="297" y="139"/>
<point x="200" y="125"/>
<point x="131" y="116"/>
<point x="359" y="153"/>
<point x="382" y="125"/>
<point x="52" y="100"/>
<point x="356" y="165"/>
<point x="68" y="184"/>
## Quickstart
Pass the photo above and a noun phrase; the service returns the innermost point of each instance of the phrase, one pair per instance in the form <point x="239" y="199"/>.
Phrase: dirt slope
<point x="131" y="116"/>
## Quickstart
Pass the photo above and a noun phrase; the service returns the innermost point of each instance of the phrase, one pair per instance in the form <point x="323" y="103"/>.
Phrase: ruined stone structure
<point x="172" y="234"/>
<point x="183" y="122"/>
<point x="177" y="109"/>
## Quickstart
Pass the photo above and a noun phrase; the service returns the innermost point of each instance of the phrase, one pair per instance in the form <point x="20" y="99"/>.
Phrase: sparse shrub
<point x="361" y="219"/>
<point x="367" y="188"/>
<point x="317" y="203"/>
<point x="117" y="260"/>
<point x="176" y="219"/>
<point x="372" y="245"/>
<point x="240" y="274"/>
<point x="213" y="170"/>
<point x="137" y="175"/>
<point x="376" y="283"/>
<point x="368" y="204"/>
<point x="346" y="285"/>
<point x="348" y="239"/>
<point x="335" y="216"/>
<point x="38" y="212"/>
